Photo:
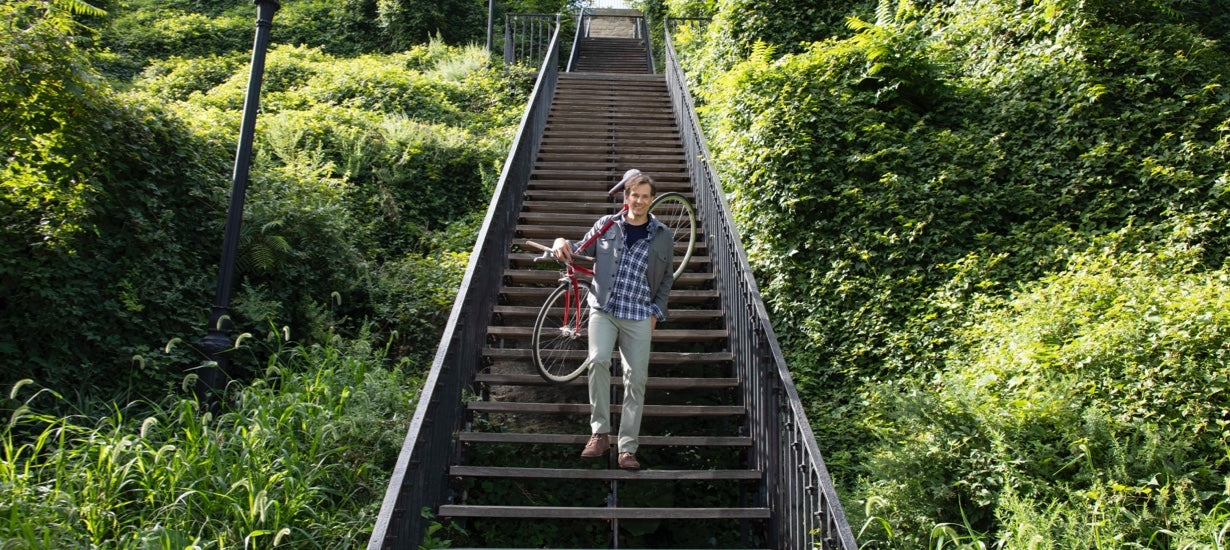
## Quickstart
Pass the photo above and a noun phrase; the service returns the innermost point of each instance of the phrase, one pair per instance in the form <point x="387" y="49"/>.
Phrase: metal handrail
<point x="526" y="36"/>
<point x="643" y="26"/>
<point x="419" y="477"/>
<point x="582" y="30"/>
<point x="802" y="500"/>
<point x="671" y="24"/>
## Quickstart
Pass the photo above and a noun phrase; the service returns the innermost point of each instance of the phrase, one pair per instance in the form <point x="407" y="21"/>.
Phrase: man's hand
<point x="561" y="250"/>
<point x="653" y="323"/>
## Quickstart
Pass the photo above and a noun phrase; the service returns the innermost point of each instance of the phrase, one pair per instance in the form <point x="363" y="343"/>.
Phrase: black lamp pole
<point x="217" y="342"/>
<point x="490" y="23"/>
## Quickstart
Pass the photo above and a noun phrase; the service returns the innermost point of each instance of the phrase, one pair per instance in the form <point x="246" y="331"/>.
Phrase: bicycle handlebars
<point x="547" y="256"/>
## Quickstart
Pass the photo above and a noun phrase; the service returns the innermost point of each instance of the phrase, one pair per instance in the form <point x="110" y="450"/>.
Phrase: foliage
<point x="97" y="191"/>
<point x="786" y="25"/>
<point x="944" y="153"/>
<point x="143" y="31"/>
<point x="300" y="458"/>
<point x="357" y="162"/>
<point x="369" y="176"/>
<point x="1096" y="396"/>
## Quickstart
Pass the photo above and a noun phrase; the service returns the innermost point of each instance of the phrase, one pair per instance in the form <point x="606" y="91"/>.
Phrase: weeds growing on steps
<point x="298" y="458"/>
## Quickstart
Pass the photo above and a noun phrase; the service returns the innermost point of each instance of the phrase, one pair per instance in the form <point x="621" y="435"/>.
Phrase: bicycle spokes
<point x="561" y="340"/>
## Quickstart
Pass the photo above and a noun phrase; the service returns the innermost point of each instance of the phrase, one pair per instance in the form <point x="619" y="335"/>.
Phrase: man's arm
<point x="563" y="250"/>
<point x="664" y="288"/>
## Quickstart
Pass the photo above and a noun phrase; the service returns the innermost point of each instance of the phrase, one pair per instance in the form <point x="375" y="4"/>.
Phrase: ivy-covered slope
<point x="912" y="186"/>
<point x="369" y="175"/>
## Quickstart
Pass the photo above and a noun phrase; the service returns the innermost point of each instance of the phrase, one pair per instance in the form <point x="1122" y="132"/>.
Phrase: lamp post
<point x="490" y="23"/>
<point x="217" y="342"/>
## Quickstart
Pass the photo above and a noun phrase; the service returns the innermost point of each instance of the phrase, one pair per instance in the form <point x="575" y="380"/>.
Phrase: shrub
<point x="175" y="78"/>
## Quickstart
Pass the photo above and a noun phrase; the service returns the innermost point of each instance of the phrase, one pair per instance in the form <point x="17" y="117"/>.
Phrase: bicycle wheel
<point x="561" y="345"/>
<point x="677" y="213"/>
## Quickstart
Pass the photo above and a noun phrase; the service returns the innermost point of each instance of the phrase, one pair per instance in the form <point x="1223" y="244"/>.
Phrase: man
<point x="632" y="280"/>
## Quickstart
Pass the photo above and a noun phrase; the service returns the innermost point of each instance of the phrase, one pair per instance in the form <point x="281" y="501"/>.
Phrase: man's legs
<point x="602" y="335"/>
<point x="634" y="343"/>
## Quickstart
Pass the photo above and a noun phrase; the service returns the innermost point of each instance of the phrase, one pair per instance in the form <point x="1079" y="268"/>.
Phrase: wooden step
<point x="637" y="133"/>
<point x="547" y="277"/>
<point x="677" y="315"/>
<point x="608" y="158"/>
<point x="584" y="408"/>
<point x="655" y="357"/>
<point x="606" y="475"/>
<point x="559" y="512"/>
<point x="564" y="196"/>
<point x="581" y="439"/>
<point x="536" y="295"/>
<point x="574" y="147"/>
<point x="583" y="219"/>
<point x="646" y="111"/>
<point x="539" y="204"/>
<point x="660" y="335"/>
<point x="653" y="382"/>
<point x="521" y="259"/>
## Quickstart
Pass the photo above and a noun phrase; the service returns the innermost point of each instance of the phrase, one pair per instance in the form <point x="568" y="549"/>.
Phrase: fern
<point x="76" y="7"/>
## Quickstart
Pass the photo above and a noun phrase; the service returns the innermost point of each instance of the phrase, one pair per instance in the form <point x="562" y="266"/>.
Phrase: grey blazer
<point x="606" y="251"/>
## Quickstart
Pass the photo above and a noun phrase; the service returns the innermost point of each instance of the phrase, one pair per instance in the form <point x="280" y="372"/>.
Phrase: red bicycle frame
<point x="572" y="299"/>
<point x="570" y="276"/>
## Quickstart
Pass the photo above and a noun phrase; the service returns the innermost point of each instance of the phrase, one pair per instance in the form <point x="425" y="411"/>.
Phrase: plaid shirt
<point x="630" y="297"/>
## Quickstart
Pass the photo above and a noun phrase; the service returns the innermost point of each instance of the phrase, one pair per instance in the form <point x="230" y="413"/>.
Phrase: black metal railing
<point x="582" y="31"/>
<point x="527" y="37"/>
<point x="803" y="503"/>
<point x="672" y="24"/>
<point x="419" y="478"/>
<point x="642" y="31"/>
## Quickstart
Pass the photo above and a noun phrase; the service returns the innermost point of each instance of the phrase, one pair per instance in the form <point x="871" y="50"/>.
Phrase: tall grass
<point x="298" y="458"/>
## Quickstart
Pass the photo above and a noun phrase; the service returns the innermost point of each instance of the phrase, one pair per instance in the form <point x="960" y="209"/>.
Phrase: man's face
<point x="638" y="197"/>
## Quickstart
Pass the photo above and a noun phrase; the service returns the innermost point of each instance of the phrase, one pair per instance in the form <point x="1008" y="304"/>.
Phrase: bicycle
<point x="560" y="335"/>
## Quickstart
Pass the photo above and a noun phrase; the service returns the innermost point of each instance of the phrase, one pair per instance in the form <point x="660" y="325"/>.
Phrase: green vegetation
<point x="375" y="155"/>
<point x="994" y="237"/>
<point x="368" y="171"/>
<point x="302" y="454"/>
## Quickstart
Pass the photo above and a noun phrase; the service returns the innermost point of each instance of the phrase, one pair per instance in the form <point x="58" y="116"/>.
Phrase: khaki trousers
<point x="633" y="338"/>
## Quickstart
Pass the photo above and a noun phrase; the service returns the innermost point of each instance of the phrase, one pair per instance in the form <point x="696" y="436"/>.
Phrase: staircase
<point x="610" y="55"/>
<point x="492" y="453"/>
<point x="519" y="458"/>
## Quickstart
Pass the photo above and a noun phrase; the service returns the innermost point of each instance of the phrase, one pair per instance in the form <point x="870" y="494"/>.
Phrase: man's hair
<point x="640" y="179"/>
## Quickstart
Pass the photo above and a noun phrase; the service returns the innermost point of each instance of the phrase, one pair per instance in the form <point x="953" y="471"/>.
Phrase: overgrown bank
<point x="981" y="227"/>
<point x="370" y="174"/>
<point x="367" y="178"/>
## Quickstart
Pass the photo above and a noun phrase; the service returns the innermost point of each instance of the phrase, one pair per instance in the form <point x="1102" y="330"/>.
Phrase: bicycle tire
<point x="558" y="353"/>
<point x="674" y="210"/>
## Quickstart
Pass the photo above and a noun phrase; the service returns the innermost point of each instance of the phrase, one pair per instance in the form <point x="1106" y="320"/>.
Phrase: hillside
<point x="993" y="236"/>
<point x="375" y="155"/>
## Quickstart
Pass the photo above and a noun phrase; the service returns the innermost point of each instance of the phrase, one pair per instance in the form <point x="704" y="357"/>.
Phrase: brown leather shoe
<point x="597" y="446"/>
<point x="627" y="461"/>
